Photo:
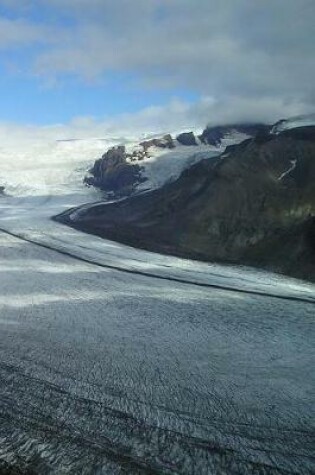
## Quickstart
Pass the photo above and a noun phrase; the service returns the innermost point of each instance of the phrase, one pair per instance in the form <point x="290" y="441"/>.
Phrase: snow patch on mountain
<point x="164" y="166"/>
<point x="292" y="167"/>
<point x="157" y="160"/>
<point x="292" y="123"/>
<point x="233" y="138"/>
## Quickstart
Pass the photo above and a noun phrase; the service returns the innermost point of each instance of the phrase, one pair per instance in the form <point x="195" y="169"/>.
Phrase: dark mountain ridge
<point x="119" y="172"/>
<point x="254" y="204"/>
<point x="214" y="135"/>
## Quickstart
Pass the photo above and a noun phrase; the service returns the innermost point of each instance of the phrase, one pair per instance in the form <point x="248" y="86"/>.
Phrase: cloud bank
<point x="254" y="59"/>
<point x="175" y="117"/>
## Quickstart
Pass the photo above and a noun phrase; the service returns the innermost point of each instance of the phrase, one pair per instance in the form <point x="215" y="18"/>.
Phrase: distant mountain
<point x="253" y="204"/>
<point x="216" y="135"/>
<point x="121" y="169"/>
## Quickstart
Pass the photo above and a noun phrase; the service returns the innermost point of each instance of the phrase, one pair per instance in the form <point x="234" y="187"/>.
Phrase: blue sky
<point x="38" y="99"/>
<point x="63" y="59"/>
<point x="29" y="99"/>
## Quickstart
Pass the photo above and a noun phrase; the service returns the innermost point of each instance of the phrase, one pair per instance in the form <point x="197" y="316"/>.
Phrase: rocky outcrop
<point x="119" y="172"/>
<point x="214" y="135"/>
<point x="165" y="142"/>
<point x="114" y="173"/>
<point x="2" y="188"/>
<point x="187" y="138"/>
<point x="255" y="204"/>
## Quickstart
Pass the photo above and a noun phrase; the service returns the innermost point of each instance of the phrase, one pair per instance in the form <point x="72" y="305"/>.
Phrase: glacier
<point x="117" y="360"/>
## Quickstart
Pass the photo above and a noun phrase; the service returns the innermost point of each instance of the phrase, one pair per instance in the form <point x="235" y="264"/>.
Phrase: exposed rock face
<point x="113" y="173"/>
<point x="214" y="135"/>
<point x="2" y="188"/>
<point x="164" y="142"/>
<point x="187" y="138"/>
<point x="253" y="205"/>
<point x="118" y="171"/>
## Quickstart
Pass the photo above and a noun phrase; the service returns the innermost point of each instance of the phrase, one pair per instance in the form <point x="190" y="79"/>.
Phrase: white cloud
<point x="234" y="47"/>
<point x="19" y="32"/>
<point x="174" y="117"/>
<point x="251" y="50"/>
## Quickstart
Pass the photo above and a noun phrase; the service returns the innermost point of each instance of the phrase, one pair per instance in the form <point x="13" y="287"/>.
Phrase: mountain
<point x="217" y="135"/>
<point x="293" y="123"/>
<point x="253" y="204"/>
<point x="122" y="171"/>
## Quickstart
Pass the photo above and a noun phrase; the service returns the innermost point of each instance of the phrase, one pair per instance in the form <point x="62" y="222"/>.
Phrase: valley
<point x="118" y="360"/>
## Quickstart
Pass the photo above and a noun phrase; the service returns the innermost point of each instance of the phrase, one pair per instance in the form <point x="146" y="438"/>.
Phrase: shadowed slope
<point x="255" y="204"/>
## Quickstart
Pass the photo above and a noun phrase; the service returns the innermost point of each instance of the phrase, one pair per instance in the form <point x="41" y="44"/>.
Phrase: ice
<point x="30" y="219"/>
<point x="298" y="121"/>
<point x="116" y="360"/>
<point x="108" y="372"/>
<point x="164" y="166"/>
<point x="52" y="183"/>
<point x="40" y="168"/>
<point x="289" y="170"/>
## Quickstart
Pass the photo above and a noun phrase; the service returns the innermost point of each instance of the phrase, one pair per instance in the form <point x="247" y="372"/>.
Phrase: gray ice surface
<point x="106" y="371"/>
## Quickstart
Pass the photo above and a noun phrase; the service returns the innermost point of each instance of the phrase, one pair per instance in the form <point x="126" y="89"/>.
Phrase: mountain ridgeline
<point x="119" y="171"/>
<point x="254" y="204"/>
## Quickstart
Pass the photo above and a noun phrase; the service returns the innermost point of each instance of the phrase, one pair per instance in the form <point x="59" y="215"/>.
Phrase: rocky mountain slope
<point x="254" y="204"/>
<point x="216" y="135"/>
<point x="121" y="170"/>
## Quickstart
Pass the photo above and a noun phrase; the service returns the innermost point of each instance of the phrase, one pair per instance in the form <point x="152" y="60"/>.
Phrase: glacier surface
<point x="117" y="360"/>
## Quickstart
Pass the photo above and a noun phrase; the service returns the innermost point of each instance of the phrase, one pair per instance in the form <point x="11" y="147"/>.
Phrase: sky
<point x="91" y="65"/>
